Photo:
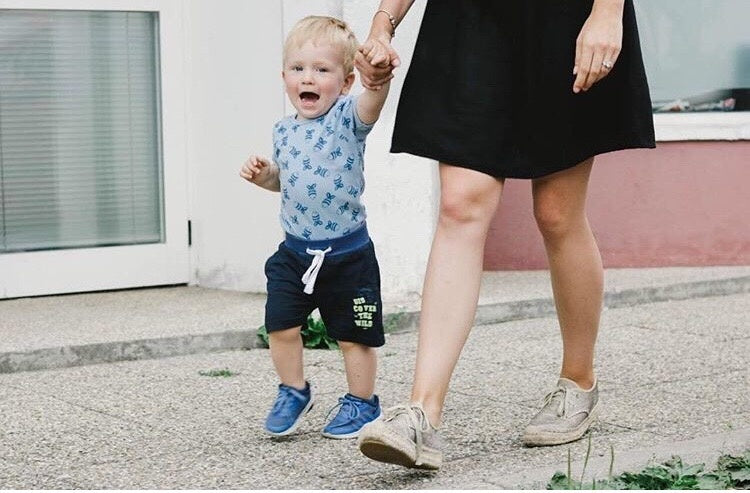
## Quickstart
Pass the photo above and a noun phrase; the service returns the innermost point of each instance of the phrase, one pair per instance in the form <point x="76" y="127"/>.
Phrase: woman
<point x="515" y="89"/>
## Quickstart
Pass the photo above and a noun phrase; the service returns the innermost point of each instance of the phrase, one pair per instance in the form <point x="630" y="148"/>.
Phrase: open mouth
<point x="308" y="97"/>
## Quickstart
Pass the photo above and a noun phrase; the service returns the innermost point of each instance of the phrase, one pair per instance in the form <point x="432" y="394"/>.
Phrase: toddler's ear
<point x="348" y="81"/>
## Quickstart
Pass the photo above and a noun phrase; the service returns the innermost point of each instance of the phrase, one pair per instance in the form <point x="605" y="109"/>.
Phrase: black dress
<point x="490" y="88"/>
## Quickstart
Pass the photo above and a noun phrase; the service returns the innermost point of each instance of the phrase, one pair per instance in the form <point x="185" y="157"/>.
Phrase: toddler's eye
<point x="322" y="69"/>
<point x="297" y="68"/>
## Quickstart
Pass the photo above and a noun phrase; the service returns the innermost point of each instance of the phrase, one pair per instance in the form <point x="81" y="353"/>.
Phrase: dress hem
<point x="569" y="163"/>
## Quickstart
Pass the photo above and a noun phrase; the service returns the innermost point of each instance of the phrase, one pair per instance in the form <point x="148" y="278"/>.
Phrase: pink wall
<point x="682" y="204"/>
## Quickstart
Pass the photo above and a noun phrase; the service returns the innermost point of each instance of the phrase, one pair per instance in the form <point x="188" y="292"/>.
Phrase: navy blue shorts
<point x="347" y="293"/>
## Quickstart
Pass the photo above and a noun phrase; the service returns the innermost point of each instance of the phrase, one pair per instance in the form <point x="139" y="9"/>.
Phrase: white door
<point x="92" y="146"/>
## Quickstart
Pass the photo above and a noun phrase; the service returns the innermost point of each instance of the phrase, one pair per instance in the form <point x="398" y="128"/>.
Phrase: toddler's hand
<point x="376" y="53"/>
<point x="255" y="169"/>
<point x="375" y="62"/>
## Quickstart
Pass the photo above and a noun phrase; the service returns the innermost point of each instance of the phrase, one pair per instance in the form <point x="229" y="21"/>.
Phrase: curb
<point x="493" y="313"/>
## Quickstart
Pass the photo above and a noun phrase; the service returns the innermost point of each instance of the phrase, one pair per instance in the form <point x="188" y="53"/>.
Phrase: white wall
<point x="235" y="95"/>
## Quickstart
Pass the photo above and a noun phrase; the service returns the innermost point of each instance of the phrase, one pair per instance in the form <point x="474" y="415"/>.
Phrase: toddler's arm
<point x="371" y="102"/>
<point x="262" y="172"/>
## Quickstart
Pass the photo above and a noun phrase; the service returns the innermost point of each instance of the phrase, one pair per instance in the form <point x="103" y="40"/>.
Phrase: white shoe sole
<point x="353" y="434"/>
<point x="540" y="438"/>
<point x="379" y="444"/>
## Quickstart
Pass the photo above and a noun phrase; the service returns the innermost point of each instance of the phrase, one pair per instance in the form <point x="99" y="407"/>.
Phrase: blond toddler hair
<point x="324" y="29"/>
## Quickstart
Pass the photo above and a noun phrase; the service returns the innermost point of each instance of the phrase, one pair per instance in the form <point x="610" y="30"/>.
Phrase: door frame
<point x="117" y="267"/>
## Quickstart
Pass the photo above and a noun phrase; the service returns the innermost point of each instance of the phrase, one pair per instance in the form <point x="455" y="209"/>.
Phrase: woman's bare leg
<point x="575" y="266"/>
<point x="468" y="200"/>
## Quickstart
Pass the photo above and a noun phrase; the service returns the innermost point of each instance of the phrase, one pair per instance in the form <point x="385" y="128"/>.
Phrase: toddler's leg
<point x="361" y="363"/>
<point x="295" y="398"/>
<point x="286" y="353"/>
<point x="360" y="406"/>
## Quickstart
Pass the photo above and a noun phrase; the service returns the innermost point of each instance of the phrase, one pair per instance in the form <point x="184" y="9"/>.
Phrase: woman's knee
<point x="464" y="205"/>
<point x="556" y="219"/>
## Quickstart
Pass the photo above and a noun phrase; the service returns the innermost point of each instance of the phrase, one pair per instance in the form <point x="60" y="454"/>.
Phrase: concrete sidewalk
<point x="72" y="330"/>
<point x="673" y="378"/>
<point x="672" y="366"/>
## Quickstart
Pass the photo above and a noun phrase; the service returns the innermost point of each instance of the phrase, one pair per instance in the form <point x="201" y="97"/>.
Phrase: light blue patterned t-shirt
<point x="321" y="172"/>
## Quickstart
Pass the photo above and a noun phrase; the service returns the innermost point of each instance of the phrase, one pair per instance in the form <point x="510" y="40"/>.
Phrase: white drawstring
<point x="311" y="275"/>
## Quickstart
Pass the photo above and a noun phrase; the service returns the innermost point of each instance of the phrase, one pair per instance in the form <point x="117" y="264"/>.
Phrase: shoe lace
<point x="561" y="392"/>
<point x="344" y="406"/>
<point x="417" y="420"/>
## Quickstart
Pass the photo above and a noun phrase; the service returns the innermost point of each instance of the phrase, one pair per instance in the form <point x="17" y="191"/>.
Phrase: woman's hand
<point x="598" y="45"/>
<point x="375" y="62"/>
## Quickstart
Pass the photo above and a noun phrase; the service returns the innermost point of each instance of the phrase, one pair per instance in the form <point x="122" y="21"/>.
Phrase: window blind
<point x="697" y="53"/>
<point x="80" y="154"/>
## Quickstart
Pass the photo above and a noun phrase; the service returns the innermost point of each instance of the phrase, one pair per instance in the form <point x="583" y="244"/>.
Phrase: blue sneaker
<point x="287" y="412"/>
<point x="354" y="413"/>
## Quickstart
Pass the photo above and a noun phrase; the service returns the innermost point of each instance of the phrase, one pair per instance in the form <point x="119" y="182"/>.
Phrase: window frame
<point x="729" y="125"/>
<point x="116" y="267"/>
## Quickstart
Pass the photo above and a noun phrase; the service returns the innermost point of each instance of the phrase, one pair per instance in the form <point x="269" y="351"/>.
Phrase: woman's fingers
<point x="393" y="56"/>
<point x="372" y="77"/>
<point x="366" y="47"/>
<point x="583" y="66"/>
<point x="596" y="70"/>
<point x="610" y="59"/>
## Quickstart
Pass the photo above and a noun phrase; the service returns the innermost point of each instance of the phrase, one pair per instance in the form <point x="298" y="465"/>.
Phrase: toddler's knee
<point x="285" y="336"/>
<point x="347" y="346"/>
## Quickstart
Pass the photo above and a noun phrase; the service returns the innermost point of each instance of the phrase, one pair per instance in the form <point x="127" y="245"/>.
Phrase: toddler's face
<point x="314" y="78"/>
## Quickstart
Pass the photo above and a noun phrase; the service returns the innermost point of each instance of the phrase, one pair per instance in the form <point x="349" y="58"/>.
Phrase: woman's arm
<point x="598" y="44"/>
<point x="377" y="58"/>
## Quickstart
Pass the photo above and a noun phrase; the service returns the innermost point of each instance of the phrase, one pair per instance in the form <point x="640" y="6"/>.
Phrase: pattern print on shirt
<point x="316" y="219"/>
<point x="335" y="153"/>
<point x="320" y="168"/>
